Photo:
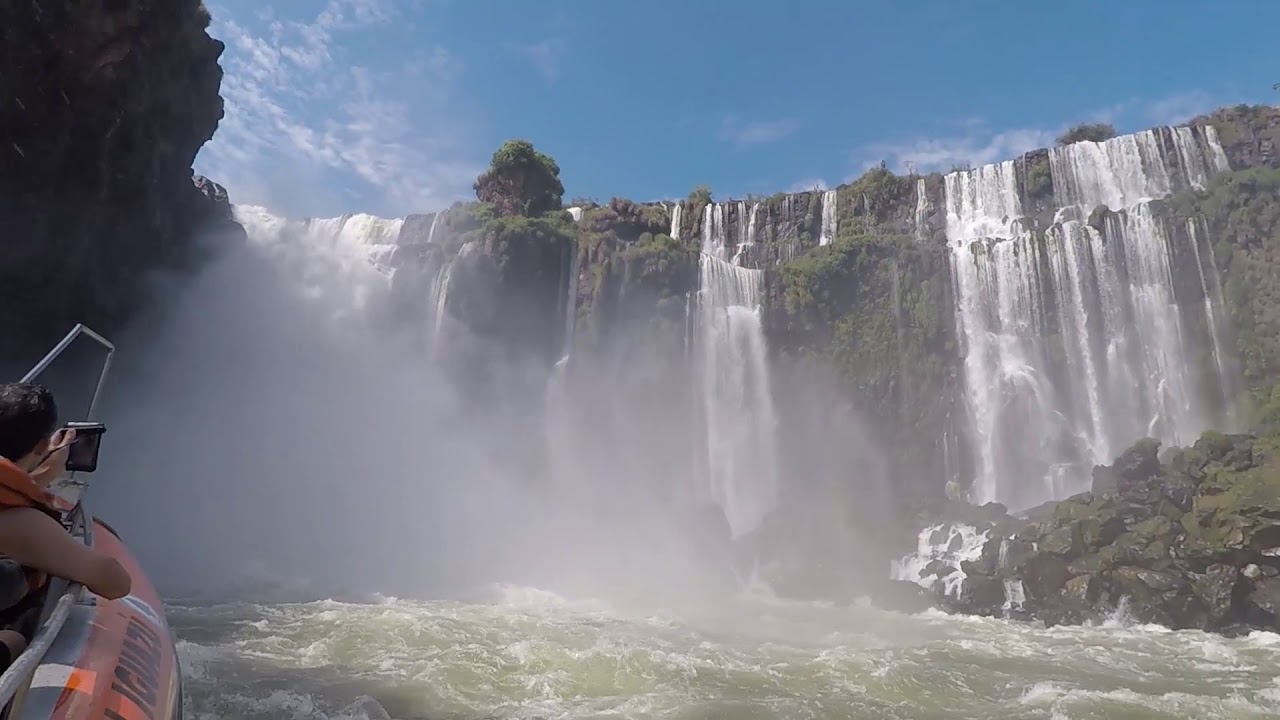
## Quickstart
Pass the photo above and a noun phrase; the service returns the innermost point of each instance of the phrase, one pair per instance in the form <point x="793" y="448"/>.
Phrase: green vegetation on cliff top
<point x="1092" y="132"/>
<point x="521" y="181"/>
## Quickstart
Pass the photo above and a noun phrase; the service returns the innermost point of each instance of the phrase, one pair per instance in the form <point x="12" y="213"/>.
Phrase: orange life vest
<point x="18" y="490"/>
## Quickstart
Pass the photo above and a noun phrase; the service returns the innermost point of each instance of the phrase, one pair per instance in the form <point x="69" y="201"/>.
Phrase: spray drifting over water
<point x="289" y="431"/>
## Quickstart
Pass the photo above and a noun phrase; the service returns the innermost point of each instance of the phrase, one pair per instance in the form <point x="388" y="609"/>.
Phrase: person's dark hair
<point x="27" y="416"/>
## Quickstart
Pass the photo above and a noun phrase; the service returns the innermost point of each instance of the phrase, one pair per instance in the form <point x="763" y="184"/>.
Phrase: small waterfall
<point x="830" y="218"/>
<point x="924" y="210"/>
<point x="675" y="221"/>
<point x="1075" y="345"/>
<point x="440" y="296"/>
<point x="1015" y="595"/>
<point x="431" y="232"/>
<point x="737" y="400"/>
<point x="951" y="460"/>
<point x="1214" y="309"/>
<point x="941" y="548"/>
<point x="571" y="291"/>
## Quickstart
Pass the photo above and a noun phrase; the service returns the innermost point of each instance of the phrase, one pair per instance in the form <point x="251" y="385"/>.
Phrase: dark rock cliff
<point x="1190" y="542"/>
<point x="103" y="107"/>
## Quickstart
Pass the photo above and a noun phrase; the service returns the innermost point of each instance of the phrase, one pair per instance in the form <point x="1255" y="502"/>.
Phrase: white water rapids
<point x="524" y="653"/>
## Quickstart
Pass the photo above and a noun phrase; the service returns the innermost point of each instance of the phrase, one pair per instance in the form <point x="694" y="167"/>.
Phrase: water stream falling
<point x="571" y="290"/>
<point x="737" y="401"/>
<point x="830" y="218"/>
<point x="324" y="248"/>
<point x="1075" y="340"/>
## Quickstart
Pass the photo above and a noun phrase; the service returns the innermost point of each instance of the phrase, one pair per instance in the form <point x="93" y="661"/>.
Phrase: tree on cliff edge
<point x="521" y="181"/>
<point x="1095" y="132"/>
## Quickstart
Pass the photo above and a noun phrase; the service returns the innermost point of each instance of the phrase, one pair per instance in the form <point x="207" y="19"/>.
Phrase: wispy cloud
<point x="298" y="109"/>
<point x="745" y="134"/>
<point x="546" y="56"/>
<point x="807" y="185"/>
<point x="980" y="146"/>
<point x="1180" y="108"/>
<point x="974" y="141"/>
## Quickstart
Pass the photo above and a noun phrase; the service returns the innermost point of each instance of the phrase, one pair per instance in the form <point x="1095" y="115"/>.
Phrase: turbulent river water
<point x="524" y="653"/>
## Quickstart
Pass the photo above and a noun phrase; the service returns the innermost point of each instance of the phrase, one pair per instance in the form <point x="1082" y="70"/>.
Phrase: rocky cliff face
<point x="862" y="313"/>
<point x="103" y="108"/>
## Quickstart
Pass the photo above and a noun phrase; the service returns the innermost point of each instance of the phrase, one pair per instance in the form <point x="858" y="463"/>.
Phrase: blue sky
<point x="394" y="106"/>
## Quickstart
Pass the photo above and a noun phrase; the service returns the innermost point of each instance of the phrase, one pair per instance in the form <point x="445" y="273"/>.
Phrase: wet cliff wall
<point x="103" y="107"/>
<point x="859" y="295"/>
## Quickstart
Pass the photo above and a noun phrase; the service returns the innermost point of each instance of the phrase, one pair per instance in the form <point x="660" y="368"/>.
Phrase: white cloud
<point x="744" y="134"/>
<point x="1178" y="109"/>
<point x="976" y="142"/>
<point x="807" y="185"/>
<point x="978" y="147"/>
<point x="307" y="127"/>
<point x="546" y="57"/>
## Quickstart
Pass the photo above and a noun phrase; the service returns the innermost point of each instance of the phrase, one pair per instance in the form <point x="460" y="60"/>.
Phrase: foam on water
<point x="529" y="653"/>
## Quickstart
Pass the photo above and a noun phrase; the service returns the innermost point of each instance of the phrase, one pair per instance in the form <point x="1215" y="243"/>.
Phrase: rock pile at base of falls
<point x="1187" y="541"/>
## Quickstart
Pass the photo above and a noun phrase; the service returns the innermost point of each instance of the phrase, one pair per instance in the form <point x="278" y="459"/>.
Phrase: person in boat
<point x="33" y="543"/>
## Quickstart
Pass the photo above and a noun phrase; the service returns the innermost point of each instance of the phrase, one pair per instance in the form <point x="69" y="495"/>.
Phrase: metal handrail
<point x="17" y="677"/>
<point x="47" y="360"/>
<point x="19" y="674"/>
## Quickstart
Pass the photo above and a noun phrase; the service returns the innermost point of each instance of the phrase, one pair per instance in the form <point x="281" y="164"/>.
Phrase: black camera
<point x="83" y="455"/>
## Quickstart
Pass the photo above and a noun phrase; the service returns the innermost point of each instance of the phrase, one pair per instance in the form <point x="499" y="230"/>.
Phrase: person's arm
<point x="38" y="541"/>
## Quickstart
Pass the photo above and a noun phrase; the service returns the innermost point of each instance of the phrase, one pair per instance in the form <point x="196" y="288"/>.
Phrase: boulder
<point x="1190" y="541"/>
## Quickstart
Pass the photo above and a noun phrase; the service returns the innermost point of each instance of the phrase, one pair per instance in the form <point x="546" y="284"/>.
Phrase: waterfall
<point x="924" y="210"/>
<point x="830" y="219"/>
<point x="357" y="248"/>
<point x="1075" y="345"/>
<point x="675" y="221"/>
<point x="431" y="233"/>
<point x="1214" y="310"/>
<point x="440" y="296"/>
<point x="571" y="291"/>
<point x="737" y="401"/>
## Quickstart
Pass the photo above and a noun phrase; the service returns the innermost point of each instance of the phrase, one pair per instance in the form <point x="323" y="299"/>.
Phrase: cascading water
<point x="737" y="401"/>
<point x="1214" y="310"/>
<point x="1075" y="340"/>
<point x="924" y="209"/>
<point x="324" y="248"/>
<point x="571" y="289"/>
<point x="830" y="218"/>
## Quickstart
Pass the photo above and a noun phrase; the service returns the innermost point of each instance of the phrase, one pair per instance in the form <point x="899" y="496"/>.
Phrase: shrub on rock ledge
<point x="1091" y="132"/>
<point x="521" y="181"/>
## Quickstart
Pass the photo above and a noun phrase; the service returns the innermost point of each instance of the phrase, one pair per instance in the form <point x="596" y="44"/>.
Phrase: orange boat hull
<point x="114" y="659"/>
